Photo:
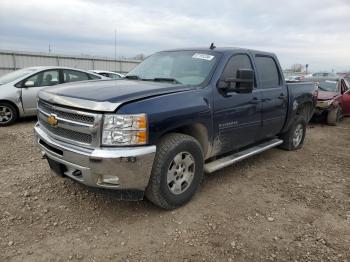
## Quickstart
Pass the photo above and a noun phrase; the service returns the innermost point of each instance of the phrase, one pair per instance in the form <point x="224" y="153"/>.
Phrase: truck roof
<point x="221" y="50"/>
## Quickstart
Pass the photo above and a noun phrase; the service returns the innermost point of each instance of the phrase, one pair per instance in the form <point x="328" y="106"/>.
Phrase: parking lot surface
<point x="277" y="206"/>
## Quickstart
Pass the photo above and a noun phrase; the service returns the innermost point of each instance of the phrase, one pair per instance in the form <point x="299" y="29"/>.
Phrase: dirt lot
<point x="278" y="206"/>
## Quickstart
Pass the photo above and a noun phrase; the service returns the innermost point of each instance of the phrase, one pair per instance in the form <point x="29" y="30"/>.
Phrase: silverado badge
<point x="52" y="120"/>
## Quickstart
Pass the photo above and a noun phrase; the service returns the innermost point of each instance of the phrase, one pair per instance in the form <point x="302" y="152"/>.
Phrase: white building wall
<point x="13" y="60"/>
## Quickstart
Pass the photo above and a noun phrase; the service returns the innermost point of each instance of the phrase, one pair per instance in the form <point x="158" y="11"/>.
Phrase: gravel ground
<point x="278" y="206"/>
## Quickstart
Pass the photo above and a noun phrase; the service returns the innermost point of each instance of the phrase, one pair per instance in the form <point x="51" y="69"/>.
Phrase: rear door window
<point x="74" y="76"/>
<point x="268" y="72"/>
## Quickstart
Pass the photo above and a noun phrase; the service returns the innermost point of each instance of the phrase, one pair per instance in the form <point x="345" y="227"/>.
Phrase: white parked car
<point x="109" y="74"/>
<point x="19" y="89"/>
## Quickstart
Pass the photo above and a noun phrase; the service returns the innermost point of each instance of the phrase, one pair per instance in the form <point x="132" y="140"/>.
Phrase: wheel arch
<point x="13" y="104"/>
<point x="306" y="109"/>
<point x="198" y="131"/>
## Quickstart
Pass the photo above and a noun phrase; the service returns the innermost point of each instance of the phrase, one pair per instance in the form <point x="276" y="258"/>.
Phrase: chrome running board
<point x="231" y="159"/>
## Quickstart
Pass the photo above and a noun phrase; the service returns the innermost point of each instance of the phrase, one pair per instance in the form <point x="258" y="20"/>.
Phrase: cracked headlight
<point x="124" y="130"/>
<point x="324" y="103"/>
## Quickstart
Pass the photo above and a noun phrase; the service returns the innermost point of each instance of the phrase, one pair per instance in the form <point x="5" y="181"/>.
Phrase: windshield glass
<point x="185" y="67"/>
<point x="15" y="75"/>
<point x="330" y="86"/>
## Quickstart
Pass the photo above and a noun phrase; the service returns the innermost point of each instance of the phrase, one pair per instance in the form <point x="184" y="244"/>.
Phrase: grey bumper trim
<point x="132" y="165"/>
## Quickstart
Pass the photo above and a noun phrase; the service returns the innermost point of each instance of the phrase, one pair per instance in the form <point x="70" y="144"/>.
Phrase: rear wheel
<point x="8" y="114"/>
<point x="333" y="116"/>
<point x="293" y="139"/>
<point x="177" y="171"/>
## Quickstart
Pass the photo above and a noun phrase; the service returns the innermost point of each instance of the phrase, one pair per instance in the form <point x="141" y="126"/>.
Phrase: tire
<point x="8" y="114"/>
<point x="293" y="139"/>
<point x="333" y="116"/>
<point x="177" y="171"/>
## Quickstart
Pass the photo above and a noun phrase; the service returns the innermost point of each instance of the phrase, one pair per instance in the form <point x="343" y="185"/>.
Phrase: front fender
<point x="12" y="95"/>
<point x="170" y="112"/>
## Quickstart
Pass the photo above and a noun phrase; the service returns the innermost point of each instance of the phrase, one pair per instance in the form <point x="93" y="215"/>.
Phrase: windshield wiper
<point x="164" y="79"/>
<point x="135" y="77"/>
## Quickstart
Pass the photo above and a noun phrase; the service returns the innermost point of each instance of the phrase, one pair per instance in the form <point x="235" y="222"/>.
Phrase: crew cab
<point x="333" y="99"/>
<point x="177" y="115"/>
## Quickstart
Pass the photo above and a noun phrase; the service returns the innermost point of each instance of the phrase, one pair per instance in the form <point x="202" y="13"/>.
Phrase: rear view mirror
<point x="29" y="83"/>
<point x="244" y="82"/>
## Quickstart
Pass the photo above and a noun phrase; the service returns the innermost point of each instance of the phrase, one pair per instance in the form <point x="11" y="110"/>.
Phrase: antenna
<point x="212" y="46"/>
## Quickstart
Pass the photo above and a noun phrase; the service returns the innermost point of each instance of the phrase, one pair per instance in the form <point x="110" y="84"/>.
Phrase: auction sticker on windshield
<point x="203" y="56"/>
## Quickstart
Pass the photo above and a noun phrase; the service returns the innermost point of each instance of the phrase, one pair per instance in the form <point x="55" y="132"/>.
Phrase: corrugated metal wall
<point x="13" y="60"/>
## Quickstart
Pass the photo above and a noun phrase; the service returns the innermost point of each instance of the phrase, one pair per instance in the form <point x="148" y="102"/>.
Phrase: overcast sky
<point x="316" y="32"/>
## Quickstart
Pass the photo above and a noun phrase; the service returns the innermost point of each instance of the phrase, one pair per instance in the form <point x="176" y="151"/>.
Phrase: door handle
<point x="281" y="96"/>
<point x="255" y="101"/>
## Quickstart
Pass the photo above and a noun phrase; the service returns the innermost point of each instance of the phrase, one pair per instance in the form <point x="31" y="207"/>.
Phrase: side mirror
<point x="29" y="83"/>
<point x="244" y="82"/>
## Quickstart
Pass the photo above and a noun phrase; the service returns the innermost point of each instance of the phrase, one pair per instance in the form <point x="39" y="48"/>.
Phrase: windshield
<point x="183" y="67"/>
<point x="329" y="86"/>
<point x="15" y="75"/>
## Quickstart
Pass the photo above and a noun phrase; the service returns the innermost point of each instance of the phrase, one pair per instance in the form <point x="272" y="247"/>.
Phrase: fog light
<point x="109" y="179"/>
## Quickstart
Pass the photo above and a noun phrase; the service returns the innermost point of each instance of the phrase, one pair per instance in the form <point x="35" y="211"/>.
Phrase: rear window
<point x="267" y="71"/>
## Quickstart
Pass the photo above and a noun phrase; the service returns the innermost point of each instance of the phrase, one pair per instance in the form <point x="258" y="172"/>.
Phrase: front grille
<point x="70" y="116"/>
<point x="73" y="126"/>
<point x="68" y="134"/>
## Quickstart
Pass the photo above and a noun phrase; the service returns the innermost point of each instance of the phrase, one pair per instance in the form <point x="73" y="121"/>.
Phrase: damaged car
<point x="333" y="100"/>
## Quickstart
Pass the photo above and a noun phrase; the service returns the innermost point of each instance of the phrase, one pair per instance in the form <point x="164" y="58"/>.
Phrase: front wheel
<point x="8" y="114"/>
<point x="293" y="139"/>
<point x="177" y="171"/>
<point x="333" y="116"/>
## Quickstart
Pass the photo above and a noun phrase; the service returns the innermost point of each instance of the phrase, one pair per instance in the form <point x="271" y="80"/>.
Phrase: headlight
<point x="123" y="130"/>
<point x="324" y="103"/>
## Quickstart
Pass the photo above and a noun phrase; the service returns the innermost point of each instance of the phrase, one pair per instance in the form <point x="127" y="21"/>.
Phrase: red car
<point x="333" y="100"/>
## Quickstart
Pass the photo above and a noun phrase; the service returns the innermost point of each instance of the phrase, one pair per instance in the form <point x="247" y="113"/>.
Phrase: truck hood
<point x="107" y="95"/>
<point x="324" y="95"/>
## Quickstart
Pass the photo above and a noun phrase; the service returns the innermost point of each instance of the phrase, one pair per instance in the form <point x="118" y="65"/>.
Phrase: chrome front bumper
<point x="129" y="166"/>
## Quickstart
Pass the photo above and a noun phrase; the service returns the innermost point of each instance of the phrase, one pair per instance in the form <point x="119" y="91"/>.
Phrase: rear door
<point x="274" y="95"/>
<point x="237" y="116"/>
<point x="33" y="84"/>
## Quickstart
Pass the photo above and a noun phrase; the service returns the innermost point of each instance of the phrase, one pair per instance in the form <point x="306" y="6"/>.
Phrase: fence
<point x="13" y="60"/>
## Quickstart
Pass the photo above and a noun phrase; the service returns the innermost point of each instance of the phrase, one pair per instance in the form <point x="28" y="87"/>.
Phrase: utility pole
<point x="115" y="50"/>
<point x="49" y="48"/>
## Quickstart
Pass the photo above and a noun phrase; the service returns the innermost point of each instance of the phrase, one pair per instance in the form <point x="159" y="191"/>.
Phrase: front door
<point x="33" y="84"/>
<point x="237" y="117"/>
<point x="345" y="98"/>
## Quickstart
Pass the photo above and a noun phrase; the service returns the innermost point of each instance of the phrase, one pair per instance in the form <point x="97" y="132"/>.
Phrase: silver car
<point x="19" y="89"/>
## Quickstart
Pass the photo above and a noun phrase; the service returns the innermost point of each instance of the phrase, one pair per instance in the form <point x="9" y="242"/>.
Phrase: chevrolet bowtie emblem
<point x="52" y="120"/>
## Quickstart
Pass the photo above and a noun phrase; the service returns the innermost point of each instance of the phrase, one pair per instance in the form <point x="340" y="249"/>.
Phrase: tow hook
<point x="43" y="155"/>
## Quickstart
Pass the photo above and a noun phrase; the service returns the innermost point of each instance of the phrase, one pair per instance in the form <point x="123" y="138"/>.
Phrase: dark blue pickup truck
<point x="178" y="114"/>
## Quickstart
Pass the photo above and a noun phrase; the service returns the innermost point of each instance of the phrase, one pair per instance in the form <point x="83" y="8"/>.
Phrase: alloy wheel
<point x="180" y="173"/>
<point x="298" y="135"/>
<point x="5" y="114"/>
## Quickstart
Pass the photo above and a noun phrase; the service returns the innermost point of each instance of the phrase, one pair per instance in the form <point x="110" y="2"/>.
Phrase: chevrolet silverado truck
<point x="177" y="115"/>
